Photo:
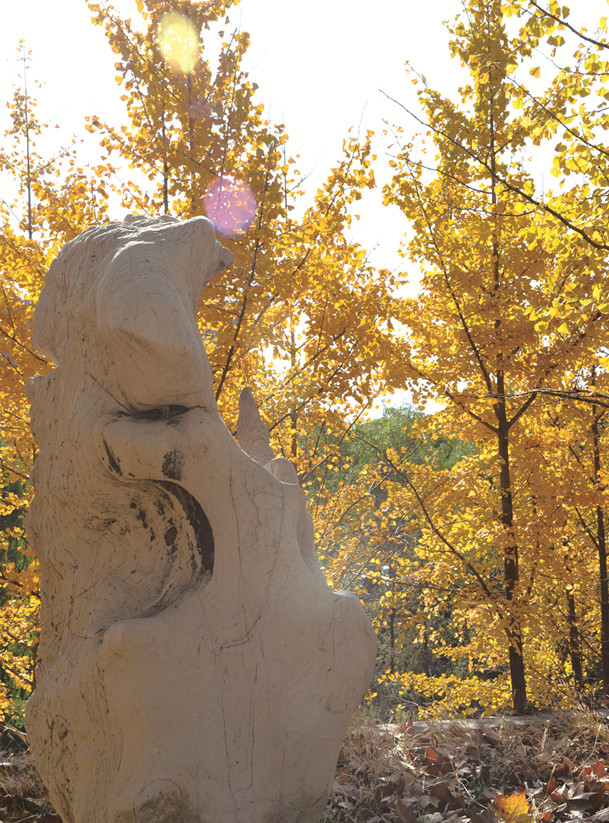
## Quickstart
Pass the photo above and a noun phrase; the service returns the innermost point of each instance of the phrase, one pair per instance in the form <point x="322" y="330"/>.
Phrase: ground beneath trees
<point x="547" y="768"/>
<point x="544" y="769"/>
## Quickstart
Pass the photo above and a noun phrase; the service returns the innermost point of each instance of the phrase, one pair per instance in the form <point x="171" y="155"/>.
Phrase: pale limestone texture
<point x="194" y="667"/>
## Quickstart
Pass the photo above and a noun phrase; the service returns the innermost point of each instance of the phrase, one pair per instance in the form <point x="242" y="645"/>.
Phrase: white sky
<point x="319" y="66"/>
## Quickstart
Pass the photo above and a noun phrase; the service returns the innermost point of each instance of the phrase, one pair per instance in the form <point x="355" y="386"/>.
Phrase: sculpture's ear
<point x="252" y="434"/>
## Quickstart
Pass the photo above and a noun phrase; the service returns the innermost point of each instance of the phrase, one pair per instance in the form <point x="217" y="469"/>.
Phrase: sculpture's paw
<point x="355" y="642"/>
<point x="130" y="639"/>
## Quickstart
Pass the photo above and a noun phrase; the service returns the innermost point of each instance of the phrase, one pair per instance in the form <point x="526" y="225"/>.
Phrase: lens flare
<point x="178" y="41"/>
<point x="230" y="205"/>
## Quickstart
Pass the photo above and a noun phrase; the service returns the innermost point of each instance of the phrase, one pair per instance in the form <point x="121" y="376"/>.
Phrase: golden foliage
<point x="494" y="566"/>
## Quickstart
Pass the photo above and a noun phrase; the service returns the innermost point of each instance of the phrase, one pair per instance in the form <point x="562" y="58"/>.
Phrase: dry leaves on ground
<point x="526" y="772"/>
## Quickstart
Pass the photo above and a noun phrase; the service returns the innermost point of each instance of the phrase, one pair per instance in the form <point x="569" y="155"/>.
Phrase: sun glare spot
<point x="178" y="41"/>
<point x="230" y="205"/>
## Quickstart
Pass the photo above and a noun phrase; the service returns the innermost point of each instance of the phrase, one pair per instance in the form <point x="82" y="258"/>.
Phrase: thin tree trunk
<point x="510" y="559"/>
<point x="601" y="539"/>
<point x="294" y="412"/>
<point x="165" y="169"/>
<point x="575" y="652"/>
<point x="392" y="641"/>
<point x="30" y="228"/>
<point x="426" y="652"/>
<point x="194" y="197"/>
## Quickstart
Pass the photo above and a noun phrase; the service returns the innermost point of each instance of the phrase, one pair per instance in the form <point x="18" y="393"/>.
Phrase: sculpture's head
<point x="119" y="305"/>
<point x="186" y="251"/>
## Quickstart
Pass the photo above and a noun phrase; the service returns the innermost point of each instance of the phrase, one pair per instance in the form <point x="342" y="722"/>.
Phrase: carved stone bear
<point x="194" y="667"/>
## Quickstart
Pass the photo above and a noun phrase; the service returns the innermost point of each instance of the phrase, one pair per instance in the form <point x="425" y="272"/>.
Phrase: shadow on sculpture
<point x="194" y="667"/>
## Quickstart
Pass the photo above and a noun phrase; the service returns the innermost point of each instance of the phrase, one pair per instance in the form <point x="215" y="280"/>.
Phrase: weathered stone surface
<point x="194" y="666"/>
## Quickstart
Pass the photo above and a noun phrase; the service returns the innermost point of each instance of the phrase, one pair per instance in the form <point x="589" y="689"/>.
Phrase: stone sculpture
<point x="194" y="667"/>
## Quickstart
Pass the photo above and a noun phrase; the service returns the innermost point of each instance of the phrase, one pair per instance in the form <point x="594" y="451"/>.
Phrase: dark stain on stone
<point x="201" y="526"/>
<point x="113" y="460"/>
<point x="170" y="535"/>
<point x="172" y="465"/>
<point x="168" y="413"/>
<point x="169" y="806"/>
<point x="141" y="516"/>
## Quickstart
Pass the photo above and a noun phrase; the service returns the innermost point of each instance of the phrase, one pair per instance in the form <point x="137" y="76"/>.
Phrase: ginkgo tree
<point x="572" y="110"/>
<point x="487" y="336"/>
